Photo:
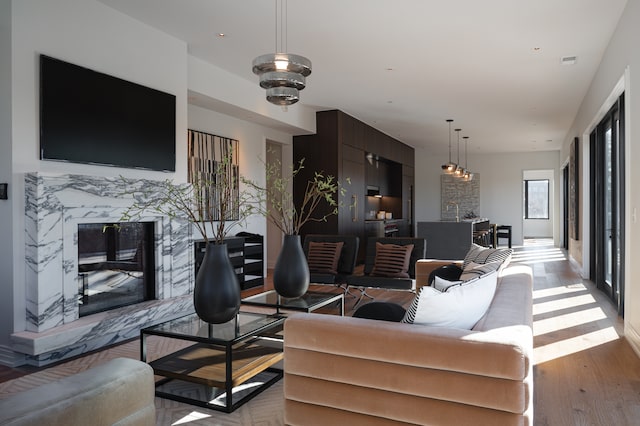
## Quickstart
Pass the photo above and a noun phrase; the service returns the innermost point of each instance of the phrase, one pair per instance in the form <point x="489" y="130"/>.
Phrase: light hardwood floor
<point x="585" y="373"/>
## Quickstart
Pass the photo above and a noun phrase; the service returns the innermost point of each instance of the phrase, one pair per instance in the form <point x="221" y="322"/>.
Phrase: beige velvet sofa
<point x="344" y="370"/>
<point x="119" y="392"/>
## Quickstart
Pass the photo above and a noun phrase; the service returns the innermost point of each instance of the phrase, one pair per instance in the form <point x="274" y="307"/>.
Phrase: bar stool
<point x="482" y="237"/>
<point x="503" y="231"/>
<point x="493" y="235"/>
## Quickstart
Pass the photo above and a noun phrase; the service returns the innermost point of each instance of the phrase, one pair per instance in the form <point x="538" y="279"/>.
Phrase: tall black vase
<point x="216" y="295"/>
<point x="291" y="273"/>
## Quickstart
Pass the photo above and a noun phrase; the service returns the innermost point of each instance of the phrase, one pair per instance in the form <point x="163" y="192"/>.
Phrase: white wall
<point x="500" y="186"/>
<point x="6" y="206"/>
<point x="93" y="35"/>
<point x="541" y="228"/>
<point x="621" y="63"/>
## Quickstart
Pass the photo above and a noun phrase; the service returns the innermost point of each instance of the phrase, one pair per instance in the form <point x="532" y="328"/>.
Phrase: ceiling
<point x="405" y="66"/>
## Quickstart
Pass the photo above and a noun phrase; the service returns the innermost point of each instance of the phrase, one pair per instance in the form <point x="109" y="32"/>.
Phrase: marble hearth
<point x="55" y="205"/>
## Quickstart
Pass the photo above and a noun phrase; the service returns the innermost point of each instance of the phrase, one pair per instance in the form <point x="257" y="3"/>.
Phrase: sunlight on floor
<point x="566" y="289"/>
<point x="245" y="387"/>
<point x="571" y="320"/>
<point x="539" y="256"/>
<point x="191" y="417"/>
<point x="570" y="308"/>
<point x="573" y="345"/>
<point x="564" y="303"/>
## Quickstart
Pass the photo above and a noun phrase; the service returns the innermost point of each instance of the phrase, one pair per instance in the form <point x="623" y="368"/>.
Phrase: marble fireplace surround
<point x="54" y="206"/>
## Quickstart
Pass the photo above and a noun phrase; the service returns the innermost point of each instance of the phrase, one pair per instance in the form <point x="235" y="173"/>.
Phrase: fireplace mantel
<point x="55" y="205"/>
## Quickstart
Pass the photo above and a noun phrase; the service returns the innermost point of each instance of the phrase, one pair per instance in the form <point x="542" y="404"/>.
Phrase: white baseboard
<point x="633" y="337"/>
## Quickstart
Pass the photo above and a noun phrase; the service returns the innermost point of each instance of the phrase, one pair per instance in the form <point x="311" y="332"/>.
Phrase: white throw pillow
<point x="460" y="306"/>
<point x="441" y="284"/>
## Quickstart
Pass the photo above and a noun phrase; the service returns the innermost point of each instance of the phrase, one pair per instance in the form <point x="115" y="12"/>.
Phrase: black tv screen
<point x="93" y="118"/>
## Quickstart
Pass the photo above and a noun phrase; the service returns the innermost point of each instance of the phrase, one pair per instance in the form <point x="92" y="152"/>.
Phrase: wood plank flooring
<point x="585" y="373"/>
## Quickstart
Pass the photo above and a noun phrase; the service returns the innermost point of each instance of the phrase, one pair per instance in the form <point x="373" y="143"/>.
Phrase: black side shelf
<point x="247" y="257"/>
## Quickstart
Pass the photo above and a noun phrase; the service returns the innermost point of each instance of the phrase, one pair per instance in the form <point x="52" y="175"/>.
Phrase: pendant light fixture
<point x="282" y="74"/>
<point x="449" y="167"/>
<point x="459" y="171"/>
<point x="468" y="176"/>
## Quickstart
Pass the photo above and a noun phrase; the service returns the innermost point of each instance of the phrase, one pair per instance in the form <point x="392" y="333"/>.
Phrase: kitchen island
<point x="450" y="239"/>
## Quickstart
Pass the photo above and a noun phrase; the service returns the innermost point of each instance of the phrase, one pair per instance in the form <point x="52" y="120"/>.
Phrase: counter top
<point x="473" y="220"/>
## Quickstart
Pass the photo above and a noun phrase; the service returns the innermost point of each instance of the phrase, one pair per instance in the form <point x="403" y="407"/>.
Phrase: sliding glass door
<point x="607" y="204"/>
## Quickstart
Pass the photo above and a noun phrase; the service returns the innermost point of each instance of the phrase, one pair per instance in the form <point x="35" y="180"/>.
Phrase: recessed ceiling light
<point x="537" y="49"/>
<point x="389" y="69"/>
<point x="568" y="60"/>
<point x="221" y="35"/>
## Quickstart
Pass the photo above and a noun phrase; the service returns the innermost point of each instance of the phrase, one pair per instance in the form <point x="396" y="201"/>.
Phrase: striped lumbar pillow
<point x="481" y="255"/>
<point x="475" y="270"/>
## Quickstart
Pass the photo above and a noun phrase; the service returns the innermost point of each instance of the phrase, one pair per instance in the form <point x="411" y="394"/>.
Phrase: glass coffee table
<point x="227" y="364"/>
<point x="308" y="302"/>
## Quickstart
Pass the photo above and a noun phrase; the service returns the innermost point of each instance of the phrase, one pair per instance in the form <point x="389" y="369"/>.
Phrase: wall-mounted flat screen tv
<point x="93" y="118"/>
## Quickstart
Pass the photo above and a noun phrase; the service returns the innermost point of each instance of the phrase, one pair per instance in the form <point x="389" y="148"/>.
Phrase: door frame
<point x="615" y="119"/>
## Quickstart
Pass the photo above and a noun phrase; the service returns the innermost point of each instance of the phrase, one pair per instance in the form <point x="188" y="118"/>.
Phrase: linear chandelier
<point x="449" y="167"/>
<point x="455" y="169"/>
<point x="467" y="175"/>
<point x="459" y="171"/>
<point x="282" y="74"/>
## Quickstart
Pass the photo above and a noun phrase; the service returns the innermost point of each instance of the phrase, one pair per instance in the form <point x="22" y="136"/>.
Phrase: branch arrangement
<point x="276" y="199"/>
<point x="215" y="206"/>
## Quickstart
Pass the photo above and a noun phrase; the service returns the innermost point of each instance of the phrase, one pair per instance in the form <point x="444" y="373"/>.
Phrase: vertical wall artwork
<point x="212" y="159"/>
<point x="574" y="159"/>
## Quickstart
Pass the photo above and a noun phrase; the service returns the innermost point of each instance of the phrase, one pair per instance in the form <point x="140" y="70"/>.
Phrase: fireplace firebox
<point x="116" y="265"/>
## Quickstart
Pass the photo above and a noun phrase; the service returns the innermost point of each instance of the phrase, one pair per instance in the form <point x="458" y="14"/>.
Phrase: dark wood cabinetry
<point x="351" y="211"/>
<point x="340" y="148"/>
<point x="408" y="212"/>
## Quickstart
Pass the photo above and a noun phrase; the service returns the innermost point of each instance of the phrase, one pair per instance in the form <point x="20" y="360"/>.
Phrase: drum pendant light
<point x="282" y="74"/>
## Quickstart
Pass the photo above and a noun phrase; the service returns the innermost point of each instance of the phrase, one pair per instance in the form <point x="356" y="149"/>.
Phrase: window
<point x="536" y="199"/>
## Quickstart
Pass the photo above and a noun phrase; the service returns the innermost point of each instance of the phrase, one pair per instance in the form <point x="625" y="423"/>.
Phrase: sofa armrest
<point x="424" y="267"/>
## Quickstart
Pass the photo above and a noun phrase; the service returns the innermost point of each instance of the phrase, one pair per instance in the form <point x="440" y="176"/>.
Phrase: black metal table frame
<point x="331" y="298"/>
<point x="228" y="349"/>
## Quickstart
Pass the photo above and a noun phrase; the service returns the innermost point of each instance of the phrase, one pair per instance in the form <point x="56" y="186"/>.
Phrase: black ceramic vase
<point x="291" y="273"/>
<point x="216" y="295"/>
